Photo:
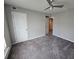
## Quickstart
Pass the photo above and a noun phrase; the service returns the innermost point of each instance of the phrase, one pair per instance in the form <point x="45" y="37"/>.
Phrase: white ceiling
<point x="40" y="5"/>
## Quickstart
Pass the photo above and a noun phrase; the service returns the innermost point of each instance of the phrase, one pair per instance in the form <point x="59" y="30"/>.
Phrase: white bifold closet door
<point x="19" y="20"/>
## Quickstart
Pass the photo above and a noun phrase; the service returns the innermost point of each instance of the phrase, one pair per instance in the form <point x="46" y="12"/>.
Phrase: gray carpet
<point x="47" y="47"/>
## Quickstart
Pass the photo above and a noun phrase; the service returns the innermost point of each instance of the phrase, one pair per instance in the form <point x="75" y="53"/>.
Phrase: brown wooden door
<point x="50" y="25"/>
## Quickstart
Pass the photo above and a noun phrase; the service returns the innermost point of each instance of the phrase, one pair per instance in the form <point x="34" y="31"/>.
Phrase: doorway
<point x="50" y="26"/>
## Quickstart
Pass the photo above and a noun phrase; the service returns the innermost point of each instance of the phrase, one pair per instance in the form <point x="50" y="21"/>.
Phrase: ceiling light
<point x="50" y="8"/>
<point x="50" y="0"/>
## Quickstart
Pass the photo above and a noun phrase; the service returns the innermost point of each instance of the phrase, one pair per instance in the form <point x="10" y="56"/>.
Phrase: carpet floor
<point x="46" y="47"/>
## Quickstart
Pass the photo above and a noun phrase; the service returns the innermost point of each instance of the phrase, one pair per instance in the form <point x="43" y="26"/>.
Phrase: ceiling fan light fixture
<point x="50" y="8"/>
<point x="50" y="0"/>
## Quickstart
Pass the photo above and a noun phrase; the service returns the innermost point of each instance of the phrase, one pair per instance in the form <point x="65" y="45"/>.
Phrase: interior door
<point x="50" y="26"/>
<point x="19" y="20"/>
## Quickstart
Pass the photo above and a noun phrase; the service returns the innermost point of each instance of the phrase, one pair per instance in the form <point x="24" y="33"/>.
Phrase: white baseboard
<point x="28" y="39"/>
<point x="64" y="38"/>
<point x="6" y="52"/>
<point x="36" y="37"/>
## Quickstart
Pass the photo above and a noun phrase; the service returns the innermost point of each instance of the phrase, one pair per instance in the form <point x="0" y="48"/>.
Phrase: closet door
<point x="19" y="20"/>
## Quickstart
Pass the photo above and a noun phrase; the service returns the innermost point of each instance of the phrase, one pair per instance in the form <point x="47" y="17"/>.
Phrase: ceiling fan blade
<point x="59" y="6"/>
<point x="46" y="8"/>
<point x="52" y="6"/>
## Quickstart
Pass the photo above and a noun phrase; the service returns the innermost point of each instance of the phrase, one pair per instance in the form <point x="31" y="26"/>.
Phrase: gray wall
<point x="35" y="22"/>
<point x="6" y="33"/>
<point x="9" y="21"/>
<point x="64" y="25"/>
<point x="7" y="37"/>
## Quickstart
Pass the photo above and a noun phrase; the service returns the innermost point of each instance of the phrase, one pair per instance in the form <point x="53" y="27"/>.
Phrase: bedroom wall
<point x="64" y="24"/>
<point x="35" y="22"/>
<point x="7" y="38"/>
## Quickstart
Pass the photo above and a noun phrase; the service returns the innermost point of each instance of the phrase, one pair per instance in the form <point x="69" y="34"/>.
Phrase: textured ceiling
<point x="40" y="5"/>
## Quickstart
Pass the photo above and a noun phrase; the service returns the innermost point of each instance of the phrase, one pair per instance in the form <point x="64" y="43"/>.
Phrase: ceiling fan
<point x="51" y="5"/>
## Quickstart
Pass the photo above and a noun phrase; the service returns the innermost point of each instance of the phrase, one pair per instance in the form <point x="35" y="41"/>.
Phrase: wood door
<point x="50" y="26"/>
